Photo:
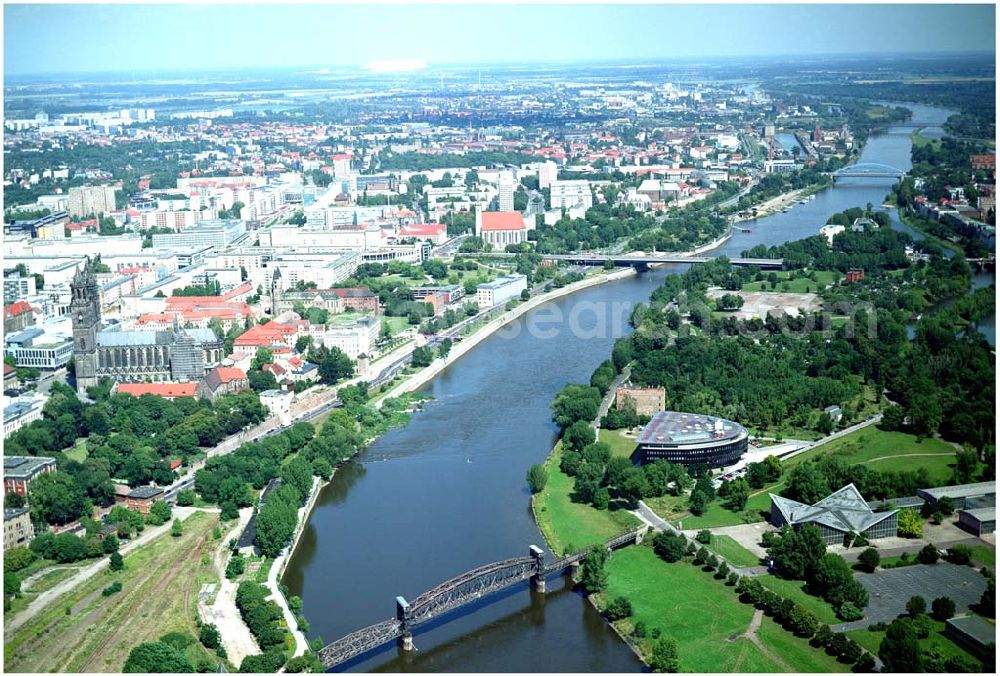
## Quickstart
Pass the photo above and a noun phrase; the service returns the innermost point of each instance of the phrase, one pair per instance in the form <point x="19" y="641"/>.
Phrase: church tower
<point x="85" y="310"/>
<point x="275" y="291"/>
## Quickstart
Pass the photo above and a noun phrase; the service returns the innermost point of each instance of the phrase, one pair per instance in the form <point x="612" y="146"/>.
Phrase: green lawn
<point x="620" y="444"/>
<point x="888" y="451"/>
<point x="568" y="525"/>
<point x="798" y="285"/>
<point x="78" y="452"/>
<point x="793" y="590"/>
<point x="733" y="551"/>
<point x="703" y="615"/>
<point x="674" y="508"/>
<point x="396" y="324"/>
<point x="797" y="651"/>
<point x="985" y="555"/>
<point x="871" y="640"/>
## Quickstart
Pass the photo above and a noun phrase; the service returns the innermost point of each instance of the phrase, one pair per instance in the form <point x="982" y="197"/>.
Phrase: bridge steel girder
<point x="360" y="642"/>
<point x="469" y="587"/>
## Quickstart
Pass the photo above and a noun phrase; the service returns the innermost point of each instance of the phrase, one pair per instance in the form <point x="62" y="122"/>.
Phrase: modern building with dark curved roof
<point x="691" y="439"/>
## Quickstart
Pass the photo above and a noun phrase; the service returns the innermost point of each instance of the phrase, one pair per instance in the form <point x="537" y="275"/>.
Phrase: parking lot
<point x="891" y="589"/>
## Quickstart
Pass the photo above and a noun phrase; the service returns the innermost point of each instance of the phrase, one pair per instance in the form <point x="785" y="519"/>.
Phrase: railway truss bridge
<point x="466" y="589"/>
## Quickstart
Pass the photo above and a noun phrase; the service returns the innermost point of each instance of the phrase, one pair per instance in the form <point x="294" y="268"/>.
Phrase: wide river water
<point x="446" y="493"/>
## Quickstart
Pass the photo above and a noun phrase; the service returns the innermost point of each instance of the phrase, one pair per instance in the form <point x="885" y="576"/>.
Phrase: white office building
<point x="568" y="194"/>
<point x="500" y="290"/>
<point x="353" y="335"/>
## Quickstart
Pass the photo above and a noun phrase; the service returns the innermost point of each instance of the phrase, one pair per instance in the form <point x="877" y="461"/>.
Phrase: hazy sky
<point x="86" y="38"/>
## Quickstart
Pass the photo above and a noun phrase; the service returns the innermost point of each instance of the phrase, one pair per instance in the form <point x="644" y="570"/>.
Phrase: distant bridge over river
<point x="464" y="590"/>
<point x="868" y="170"/>
<point x="645" y="260"/>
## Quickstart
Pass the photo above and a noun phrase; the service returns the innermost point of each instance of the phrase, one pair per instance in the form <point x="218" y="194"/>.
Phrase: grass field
<point x="985" y="555"/>
<point x="78" y="452"/>
<point x="732" y="551"/>
<point x="568" y="525"/>
<point x="871" y="640"/>
<point x="798" y="285"/>
<point x="703" y="615"/>
<point x="620" y="444"/>
<point x="793" y="590"/>
<point x="159" y="594"/>
<point x="674" y="508"/>
<point x="396" y="324"/>
<point x="888" y="451"/>
<point x="797" y="651"/>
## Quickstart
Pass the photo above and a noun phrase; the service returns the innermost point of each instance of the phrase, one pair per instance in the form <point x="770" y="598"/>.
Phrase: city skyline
<point x="45" y="39"/>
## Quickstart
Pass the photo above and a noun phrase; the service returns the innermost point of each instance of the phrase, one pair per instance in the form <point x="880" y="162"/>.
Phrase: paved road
<point x="11" y="624"/>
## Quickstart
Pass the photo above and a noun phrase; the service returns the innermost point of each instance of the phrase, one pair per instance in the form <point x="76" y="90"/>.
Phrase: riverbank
<point x="779" y="202"/>
<point x="462" y="347"/>
<point x="907" y="220"/>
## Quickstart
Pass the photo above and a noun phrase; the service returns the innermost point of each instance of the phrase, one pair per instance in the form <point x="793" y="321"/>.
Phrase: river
<point x="447" y="493"/>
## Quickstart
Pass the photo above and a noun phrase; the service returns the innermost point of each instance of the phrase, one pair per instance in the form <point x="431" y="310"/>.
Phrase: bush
<point x="960" y="555"/>
<point x="235" y="567"/>
<point x="923" y="625"/>
<point x="639" y="629"/>
<point x="116" y="563"/>
<point x="665" y="657"/>
<point x="928" y="555"/>
<point x="619" y="608"/>
<point x="185" y="498"/>
<point x="849" y="612"/>
<point x="732" y="580"/>
<point x="11" y="585"/>
<point x="157" y="658"/>
<point x="910" y="525"/>
<point x="113" y="588"/>
<point x="18" y="558"/>
<point x="704" y="536"/>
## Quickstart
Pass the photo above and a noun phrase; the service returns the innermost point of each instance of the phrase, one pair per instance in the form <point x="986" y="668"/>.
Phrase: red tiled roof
<point x="230" y="373"/>
<point x="159" y="389"/>
<point x="503" y="220"/>
<point x="16" y="308"/>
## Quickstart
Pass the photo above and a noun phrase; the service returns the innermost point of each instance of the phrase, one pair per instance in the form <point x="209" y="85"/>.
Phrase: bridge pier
<point x="538" y="579"/>
<point x="406" y="638"/>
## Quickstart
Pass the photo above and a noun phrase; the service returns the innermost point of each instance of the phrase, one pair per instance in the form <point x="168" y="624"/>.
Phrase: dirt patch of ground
<point x="762" y="303"/>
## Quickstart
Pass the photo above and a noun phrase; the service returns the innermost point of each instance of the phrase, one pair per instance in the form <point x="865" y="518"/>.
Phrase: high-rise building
<point x="547" y="173"/>
<point x="505" y="183"/>
<point x="91" y="199"/>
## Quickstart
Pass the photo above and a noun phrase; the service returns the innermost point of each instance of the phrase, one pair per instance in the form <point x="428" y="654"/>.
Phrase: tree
<point x="942" y="608"/>
<point x="909" y="524"/>
<point x="870" y="559"/>
<point x="797" y="552"/>
<point x="803" y="622"/>
<point x="185" y="498"/>
<point x="444" y="348"/>
<point x="668" y="546"/>
<point x="704" y="536"/>
<point x="578" y="435"/>
<point x="159" y="513"/>
<point x="537" y="477"/>
<point x="697" y="503"/>
<point x="900" y="650"/>
<point x="209" y="636"/>
<point x="737" y="495"/>
<point x="618" y="609"/>
<point x="806" y="484"/>
<point x="17" y="558"/>
<point x="57" y="498"/>
<point x="176" y="530"/>
<point x="422" y="356"/>
<point x="593" y="574"/>
<point x="261" y="357"/>
<point x="110" y="544"/>
<point x="960" y="555"/>
<point x="928" y="555"/>
<point x="916" y="606"/>
<point x="235" y="567"/>
<point x="665" y="658"/>
<point x="575" y="402"/>
<point x="157" y="658"/>
<point x="116" y="563"/>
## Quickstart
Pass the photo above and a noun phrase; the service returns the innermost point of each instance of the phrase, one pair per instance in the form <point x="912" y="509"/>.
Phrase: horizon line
<point x="638" y="61"/>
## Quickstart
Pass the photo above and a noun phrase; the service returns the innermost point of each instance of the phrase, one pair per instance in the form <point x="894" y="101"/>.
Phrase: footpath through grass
<point x="159" y="595"/>
<point x="704" y="616"/>
<point x="888" y="451"/>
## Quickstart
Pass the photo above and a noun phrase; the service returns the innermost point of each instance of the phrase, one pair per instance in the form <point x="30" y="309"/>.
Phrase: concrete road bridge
<point x="459" y="592"/>
<point x="645" y="260"/>
<point x="867" y="170"/>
